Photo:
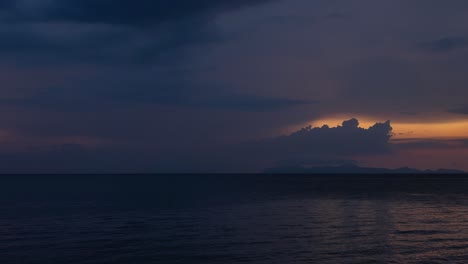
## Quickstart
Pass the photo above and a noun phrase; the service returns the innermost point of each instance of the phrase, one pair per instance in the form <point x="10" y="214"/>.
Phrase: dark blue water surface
<point x="233" y="219"/>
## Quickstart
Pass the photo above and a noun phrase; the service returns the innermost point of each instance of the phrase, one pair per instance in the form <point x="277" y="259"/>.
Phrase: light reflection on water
<point x="241" y="219"/>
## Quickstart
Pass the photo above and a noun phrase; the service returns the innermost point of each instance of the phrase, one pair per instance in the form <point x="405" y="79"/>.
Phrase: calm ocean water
<point x="233" y="219"/>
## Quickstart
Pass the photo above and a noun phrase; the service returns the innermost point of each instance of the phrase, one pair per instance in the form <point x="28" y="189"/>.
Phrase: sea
<point x="224" y="219"/>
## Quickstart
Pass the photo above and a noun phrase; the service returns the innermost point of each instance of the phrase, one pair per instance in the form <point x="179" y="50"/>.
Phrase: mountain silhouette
<point x="353" y="169"/>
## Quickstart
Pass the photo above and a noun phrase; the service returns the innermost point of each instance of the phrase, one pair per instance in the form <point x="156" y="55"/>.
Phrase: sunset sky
<point x="227" y="85"/>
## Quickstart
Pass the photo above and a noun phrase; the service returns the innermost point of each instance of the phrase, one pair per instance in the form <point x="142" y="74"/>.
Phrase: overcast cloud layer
<point x="158" y="85"/>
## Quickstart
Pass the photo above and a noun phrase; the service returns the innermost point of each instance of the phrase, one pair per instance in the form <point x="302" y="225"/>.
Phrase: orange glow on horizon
<point x="449" y="129"/>
<point x="453" y="156"/>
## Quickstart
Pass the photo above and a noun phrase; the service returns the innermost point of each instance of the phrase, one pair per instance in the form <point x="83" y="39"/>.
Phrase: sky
<point x="232" y="86"/>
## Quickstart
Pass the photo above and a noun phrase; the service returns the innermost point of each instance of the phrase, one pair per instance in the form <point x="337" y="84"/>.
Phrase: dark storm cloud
<point x="93" y="98"/>
<point x="177" y="84"/>
<point x="98" y="44"/>
<point x="309" y="145"/>
<point x="123" y="12"/>
<point x="145" y="12"/>
<point x="39" y="44"/>
<point x="105" y="30"/>
<point x="147" y="34"/>
<point x="347" y="139"/>
<point x="5" y="4"/>
<point x="249" y="103"/>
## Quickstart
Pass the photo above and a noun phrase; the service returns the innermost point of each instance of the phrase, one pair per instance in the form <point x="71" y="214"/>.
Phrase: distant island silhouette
<point x="354" y="169"/>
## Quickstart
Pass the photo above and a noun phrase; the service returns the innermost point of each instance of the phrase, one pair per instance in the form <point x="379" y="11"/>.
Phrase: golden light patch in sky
<point x="449" y="129"/>
<point x="405" y="131"/>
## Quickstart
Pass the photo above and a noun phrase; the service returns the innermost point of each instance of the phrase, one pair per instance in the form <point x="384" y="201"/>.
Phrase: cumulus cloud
<point x="311" y="145"/>
<point x="347" y="139"/>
